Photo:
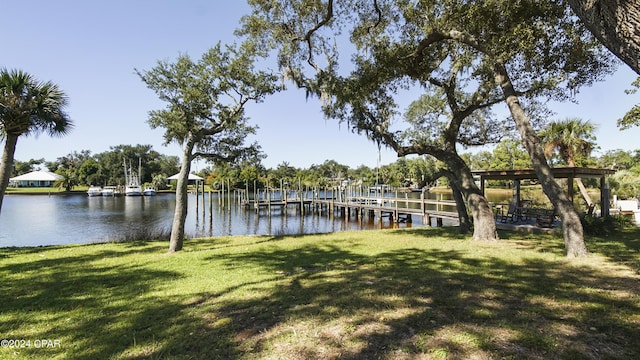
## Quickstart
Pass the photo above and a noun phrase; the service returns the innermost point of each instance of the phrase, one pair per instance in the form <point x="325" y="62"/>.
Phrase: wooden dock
<point x="399" y="208"/>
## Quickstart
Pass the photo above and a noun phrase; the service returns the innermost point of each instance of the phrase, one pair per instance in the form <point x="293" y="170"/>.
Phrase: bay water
<point x="38" y="220"/>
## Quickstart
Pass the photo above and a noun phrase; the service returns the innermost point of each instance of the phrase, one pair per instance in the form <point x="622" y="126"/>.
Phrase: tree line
<point x="81" y="168"/>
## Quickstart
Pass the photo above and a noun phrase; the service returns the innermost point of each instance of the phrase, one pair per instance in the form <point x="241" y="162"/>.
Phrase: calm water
<point x="32" y="220"/>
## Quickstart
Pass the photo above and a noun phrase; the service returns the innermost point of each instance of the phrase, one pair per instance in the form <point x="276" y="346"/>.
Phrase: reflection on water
<point x="32" y="220"/>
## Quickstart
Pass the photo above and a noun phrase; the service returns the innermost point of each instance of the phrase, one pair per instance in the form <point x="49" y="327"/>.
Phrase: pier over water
<point x="397" y="205"/>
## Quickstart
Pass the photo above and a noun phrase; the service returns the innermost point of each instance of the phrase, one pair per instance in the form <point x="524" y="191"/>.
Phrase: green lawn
<point x="391" y="294"/>
<point x="38" y="190"/>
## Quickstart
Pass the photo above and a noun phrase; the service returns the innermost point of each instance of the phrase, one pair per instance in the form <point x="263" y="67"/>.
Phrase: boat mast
<point x="126" y="176"/>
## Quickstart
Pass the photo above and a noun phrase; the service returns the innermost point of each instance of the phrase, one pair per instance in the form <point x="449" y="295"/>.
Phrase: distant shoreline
<point x="49" y="193"/>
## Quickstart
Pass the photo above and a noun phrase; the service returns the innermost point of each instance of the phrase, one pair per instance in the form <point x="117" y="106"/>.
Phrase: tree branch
<point x="379" y="12"/>
<point x="307" y="37"/>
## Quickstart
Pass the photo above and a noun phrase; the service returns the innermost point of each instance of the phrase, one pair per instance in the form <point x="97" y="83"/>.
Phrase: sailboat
<point x="132" y="179"/>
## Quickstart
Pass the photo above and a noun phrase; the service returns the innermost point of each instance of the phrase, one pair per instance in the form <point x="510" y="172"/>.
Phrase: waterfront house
<point x="35" y="179"/>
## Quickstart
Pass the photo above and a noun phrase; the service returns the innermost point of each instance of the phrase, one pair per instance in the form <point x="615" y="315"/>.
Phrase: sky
<point x="91" y="49"/>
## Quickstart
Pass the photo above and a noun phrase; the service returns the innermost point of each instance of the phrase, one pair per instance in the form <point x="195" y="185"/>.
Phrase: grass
<point x="390" y="294"/>
<point x="38" y="190"/>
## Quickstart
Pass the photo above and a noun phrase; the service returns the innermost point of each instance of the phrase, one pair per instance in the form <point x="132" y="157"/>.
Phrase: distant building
<point x="193" y="178"/>
<point x="35" y="179"/>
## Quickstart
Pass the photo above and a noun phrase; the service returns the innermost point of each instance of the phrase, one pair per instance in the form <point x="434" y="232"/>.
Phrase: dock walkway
<point x="397" y="208"/>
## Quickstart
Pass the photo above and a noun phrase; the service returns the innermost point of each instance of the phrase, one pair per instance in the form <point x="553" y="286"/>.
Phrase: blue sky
<point x="91" y="48"/>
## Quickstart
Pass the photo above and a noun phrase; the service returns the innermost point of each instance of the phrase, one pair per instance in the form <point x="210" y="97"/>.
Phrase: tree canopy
<point x="205" y="110"/>
<point x="477" y="53"/>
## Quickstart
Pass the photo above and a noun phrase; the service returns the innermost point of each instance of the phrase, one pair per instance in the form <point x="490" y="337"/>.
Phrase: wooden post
<point x="210" y="202"/>
<point x="283" y="196"/>
<point x="197" y="197"/>
<point x="302" y="196"/>
<point x="255" y="194"/>
<point x="395" y="213"/>
<point x="246" y="187"/>
<point x="604" y="202"/>
<point x="268" y="193"/>
<point x="570" y="190"/>
<point x="203" y="200"/>
<point x="220" y="193"/>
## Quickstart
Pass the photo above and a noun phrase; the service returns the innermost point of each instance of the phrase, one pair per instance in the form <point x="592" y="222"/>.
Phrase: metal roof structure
<point x="569" y="173"/>
<point x="558" y="173"/>
<point x="191" y="177"/>
<point x="37" y="176"/>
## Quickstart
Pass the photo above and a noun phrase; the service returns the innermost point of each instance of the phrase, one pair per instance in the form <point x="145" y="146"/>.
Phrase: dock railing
<point x="397" y="205"/>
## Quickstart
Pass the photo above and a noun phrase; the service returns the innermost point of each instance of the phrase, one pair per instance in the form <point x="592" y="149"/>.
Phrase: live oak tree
<point x="439" y="121"/>
<point x="436" y="122"/>
<point x="515" y="51"/>
<point x="27" y="107"/>
<point x="205" y="111"/>
<point x="615" y="23"/>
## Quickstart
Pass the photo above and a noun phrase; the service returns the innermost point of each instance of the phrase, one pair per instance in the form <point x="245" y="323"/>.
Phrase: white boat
<point x="109" y="191"/>
<point x="132" y="188"/>
<point x="94" y="191"/>
<point x="149" y="191"/>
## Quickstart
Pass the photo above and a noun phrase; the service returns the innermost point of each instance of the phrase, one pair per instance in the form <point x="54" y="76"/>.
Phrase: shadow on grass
<point x="621" y="247"/>
<point x="99" y="311"/>
<point x="450" y="232"/>
<point x="332" y="303"/>
<point x="322" y="300"/>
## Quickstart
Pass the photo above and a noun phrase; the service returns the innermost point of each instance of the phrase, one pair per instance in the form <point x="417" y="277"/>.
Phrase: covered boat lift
<point x="569" y="173"/>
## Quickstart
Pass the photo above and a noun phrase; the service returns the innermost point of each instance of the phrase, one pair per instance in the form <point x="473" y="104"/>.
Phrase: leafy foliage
<point x="574" y="140"/>
<point x="27" y="107"/>
<point x="205" y="100"/>
<point x="625" y="184"/>
<point x="205" y="111"/>
<point x="31" y="107"/>
<point x="550" y="51"/>
<point x="632" y="117"/>
<point x="605" y="226"/>
<point x="509" y="154"/>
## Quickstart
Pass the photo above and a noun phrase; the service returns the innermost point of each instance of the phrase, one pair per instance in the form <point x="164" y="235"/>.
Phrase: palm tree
<point x="27" y="107"/>
<point x="572" y="138"/>
<point x="68" y="181"/>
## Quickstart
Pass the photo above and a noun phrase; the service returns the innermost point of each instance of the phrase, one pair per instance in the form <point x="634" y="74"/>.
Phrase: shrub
<point x="607" y="225"/>
<point x="143" y="234"/>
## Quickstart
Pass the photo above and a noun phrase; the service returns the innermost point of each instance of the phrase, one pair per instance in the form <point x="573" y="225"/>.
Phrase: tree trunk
<point x="7" y="164"/>
<point x="616" y="23"/>
<point x="484" y="224"/>
<point x="463" y="215"/>
<point x="571" y="225"/>
<point x="180" y="214"/>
